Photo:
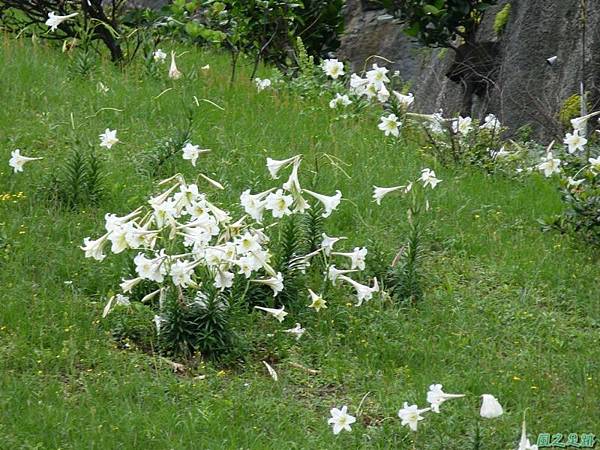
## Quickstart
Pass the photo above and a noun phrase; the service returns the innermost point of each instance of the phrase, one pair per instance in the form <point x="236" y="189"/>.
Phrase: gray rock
<point x="525" y="89"/>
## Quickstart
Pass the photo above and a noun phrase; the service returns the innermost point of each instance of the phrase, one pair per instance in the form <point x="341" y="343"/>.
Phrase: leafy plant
<point x="501" y="19"/>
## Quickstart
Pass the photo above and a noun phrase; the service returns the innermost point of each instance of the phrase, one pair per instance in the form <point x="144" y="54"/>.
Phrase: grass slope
<point x="507" y="310"/>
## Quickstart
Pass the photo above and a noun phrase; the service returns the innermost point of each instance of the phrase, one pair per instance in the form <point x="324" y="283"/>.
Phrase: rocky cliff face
<point x="525" y="89"/>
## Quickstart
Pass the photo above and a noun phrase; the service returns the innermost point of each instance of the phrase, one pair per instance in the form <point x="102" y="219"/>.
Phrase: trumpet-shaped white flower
<point x="549" y="165"/>
<point x="330" y="203"/>
<point x="411" y="415"/>
<point x="17" y="161"/>
<point x="328" y="242"/>
<point x="275" y="283"/>
<point x="462" y="125"/>
<point x="380" y="192"/>
<point x="279" y="203"/>
<point x="390" y="125"/>
<point x="490" y="407"/>
<point x="223" y="279"/>
<point x="317" y="302"/>
<point x="357" y="257"/>
<point x="341" y="420"/>
<point x="261" y="84"/>
<point x="333" y="68"/>
<point x="428" y="178"/>
<point x="118" y="238"/>
<point x="279" y="314"/>
<point x="490" y="122"/>
<point x="404" y="100"/>
<point x="127" y="285"/>
<point x="574" y="141"/>
<point x="594" y="164"/>
<point x="271" y="371"/>
<point x="333" y="273"/>
<point x="159" y="56"/>
<point x="181" y="272"/>
<point x="383" y="95"/>
<point x="95" y="249"/>
<point x="150" y="269"/>
<point x="580" y="123"/>
<point x="275" y="165"/>
<point x="118" y="299"/>
<point x="55" y="20"/>
<point x="174" y="73"/>
<point x="254" y="205"/>
<point x="340" y="100"/>
<point x="524" y="443"/>
<point x="108" y="138"/>
<point x="377" y="76"/>
<point x="363" y="292"/>
<point x="572" y="182"/>
<point x="436" y="396"/>
<point x="358" y="85"/>
<point x="192" y="152"/>
<point x="297" y="331"/>
<point x="437" y="123"/>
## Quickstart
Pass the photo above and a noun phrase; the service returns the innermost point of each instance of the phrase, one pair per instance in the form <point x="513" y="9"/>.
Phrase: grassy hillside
<point x="508" y="310"/>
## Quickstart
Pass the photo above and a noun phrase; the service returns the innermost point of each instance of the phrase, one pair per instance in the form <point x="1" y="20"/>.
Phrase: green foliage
<point x="133" y="325"/>
<point x="404" y="277"/>
<point x="501" y="19"/>
<point x="291" y="246"/>
<point x="157" y="160"/>
<point x="78" y="182"/>
<point x="436" y="23"/>
<point x="570" y="109"/>
<point x="196" y="325"/>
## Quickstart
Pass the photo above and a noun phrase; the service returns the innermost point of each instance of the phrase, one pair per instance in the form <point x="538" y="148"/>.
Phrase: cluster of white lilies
<point x="411" y="415"/>
<point x="574" y="144"/>
<point x="181" y="240"/>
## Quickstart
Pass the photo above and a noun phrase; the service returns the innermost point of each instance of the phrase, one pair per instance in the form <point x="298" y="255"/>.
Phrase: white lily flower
<point x="436" y="396"/>
<point x="549" y="165"/>
<point x="428" y="178"/>
<point x="594" y="164"/>
<point x="174" y="73"/>
<point x="377" y="76"/>
<point x="275" y="165"/>
<point x="572" y="182"/>
<point x="340" y="100"/>
<point x="118" y="299"/>
<point x="328" y="242"/>
<point x="490" y="407"/>
<point x="341" y="420"/>
<point x="462" y="125"/>
<point x="150" y="269"/>
<point x="261" y="84"/>
<point x="94" y="249"/>
<point x="271" y="371"/>
<point x="279" y="204"/>
<point x="380" y="192"/>
<point x="330" y="203"/>
<point x="390" y="125"/>
<point x="275" y="283"/>
<point x="17" y="161"/>
<point x="297" y="331"/>
<point x="159" y="56"/>
<point x="279" y="314"/>
<point x="363" y="292"/>
<point x="192" y="152"/>
<point x="127" y="285"/>
<point x="524" y="443"/>
<point x="411" y="415"/>
<point x="55" y="20"/>
<point x="404" y="100"/>
<point x="574" y="141"/>
<point x="317" y="301"/>
<point x="181" y="273"/>
<point x="491" y="122"/>
<point x="333" y="273"/>
<point x="333" y="68"/>
<point x="383" y="95"/>
<point x="580" y="123"/>
<point x="357" y="257"/>
<point x="223" y="279"/>
<point x="108" y="138"/>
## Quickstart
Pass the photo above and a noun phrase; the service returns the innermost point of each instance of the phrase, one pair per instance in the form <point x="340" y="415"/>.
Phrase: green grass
<point x="508" y="310"/>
